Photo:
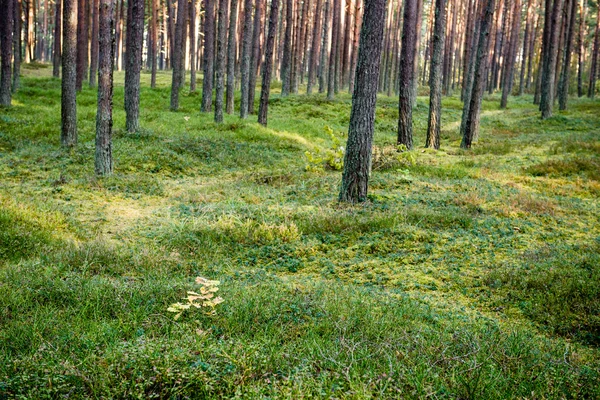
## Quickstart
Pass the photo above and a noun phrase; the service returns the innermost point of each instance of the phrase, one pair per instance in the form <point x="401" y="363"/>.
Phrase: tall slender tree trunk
<point x="177" y="59"/>
<point x="208" y="63"/>
<point x="563" y="86"/>
<point x="104" y="121"/>
<point x="354" y="59"/>
<point x="526" y="41"/>
<point x="133" y="63"/>
<point x="94" y="42"/>
<point x="357" y="160"/>
<point x="246" y="55"/>
<point x="580" y="47"/>
<point x="154" y="49"/>
<point x="221" y="58"/>
<point x="192" y="39"/>
<point x="324" y="47"/>
<point x="473" y="109"/>
<point x="435" y="78"/>
<point x="68" y="111"/>
<point x="56" y="57"/>
<point x="594" y="66"/>
<point x="231" y="47"/>
<point x="287" y="50"/>
<point x="16" y="73"/>
<point x="267" y="69"/>
<point x="332" y="75"/>
<point x="407" y="69"/>
<point x="82" y="41"/>
<point x="6" y="49"/>
<point x="507" y="84"/>
<point x="314" y="48"/>
<point x="548" y="77"/>
<point x="255" y="55"/>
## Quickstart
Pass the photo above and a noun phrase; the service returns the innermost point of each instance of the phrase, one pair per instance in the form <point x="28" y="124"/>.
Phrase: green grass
<point x="467" y="274"/>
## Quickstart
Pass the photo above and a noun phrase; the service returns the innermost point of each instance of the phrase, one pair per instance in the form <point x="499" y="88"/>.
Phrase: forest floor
<point x="467" y="274"/>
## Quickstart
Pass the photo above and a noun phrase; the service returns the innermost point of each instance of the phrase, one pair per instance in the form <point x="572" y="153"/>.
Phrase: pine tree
<point x="286" y="61"/>
<point x="267" y="69"/>
<point x="94" y="41"/>
<point x="133" y="63"/>
<point x="16" y="73"/>
<point x="221" y="58"/>
<point x="549" y="72"/>
<point x="208" y="63"/>
<point x="245" y="62"/>
<point x="177" y="58"/>
<point x="68" y="134"/>
<point x="435" y="77"/>
<point x="6" y="45"/>
<point x="231" y="47"/>
<point x="407" y="63"/>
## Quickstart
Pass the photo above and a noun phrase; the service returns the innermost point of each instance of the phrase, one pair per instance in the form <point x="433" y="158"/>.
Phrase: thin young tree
<point x="104" y="121"/>
<point x="56" y="57"/>
<point x="549" y="73"/>
<point x="68" y="109"/>
<point x="357" y="160"/>
<point x="221" y="58"/>
<point x="6" y="45"/>
<point x="16" y="73"/>
<point x="407" y="63"/>
<point x="286" y="61"/>
<point x="177" y="59"/>
<point x="231" y="48"/>
<point x="563" y="85"/>
<point x="267" y="68"/>
<point x="133" y="63"/>
<point x="94" y="41"/>
<point x="246" y="50"/>
<point x="435" y="77"/>
<point x="472" y="109"/>
<point x="208" y="64"/>
<point x="154" y="39"/>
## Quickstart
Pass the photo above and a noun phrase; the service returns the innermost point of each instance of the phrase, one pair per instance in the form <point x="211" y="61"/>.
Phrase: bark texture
<point x="6" y="45"/>
<point x="255" y="56"/>
<point x="435" y="77"/>
<point x="549" y="73"/>
<point x="314" y="48"/>
<point x="246" y="50"/>
<point x="268" y="64"/>
<point x="68" y="110"/>
<point x="16" y="73"/>
<point x="563" y="86"/>
<point x="133" y="63"/>
<point x="286" y="60"/>
<point x="94" y="41"/>
<point x="104" y="121"/>
<point x="231" y="47"/>
<point x="208" y="64"/>
<point x="407" y="68"/>
<point x="357" y="160"/>
<point x="221" y="57"/>
<point x="177" y="67"/>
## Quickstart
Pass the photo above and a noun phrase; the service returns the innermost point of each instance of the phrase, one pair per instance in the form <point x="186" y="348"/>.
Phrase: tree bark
<point x="16" y="73"/>
<point x="231" y="47"/>
<point x="154" y="49"/>
<point x="176" y="62"/>
<point x="104" y="120"/>
<point x="56" y="57"/>
<point x="68" y="133"/>
<point x="246" y="52"/>
<point x="287" y="50"/>
<point x="526" y="41"/>
<point x="357" y="160"/>
<point x="435" y="77"/>
<point x="314" y="48"/>
<point x="6" y="49"/>
<point x="208" y="63"/>
<point x="324" y="47"/>
<point x="356" y="34"/>
<point x="133" y="63"/>
<point x="473" y="109"/>
<point x="267" y="69"/>
<point x="594" y="66"/>
<point x="255" y="55"/>
<point x="192" y="40"/>
<point x="507" y="84"/>
<point x="94" y="42"/>
<point x="221" y="58"/>
<point x="580" y="48"/>
<point x="548" y="77"/>
<point x="82" y="40"/>
<point x="333" y="55"/>
<point x="563" y="85"/>
<point x="407" y="69"/>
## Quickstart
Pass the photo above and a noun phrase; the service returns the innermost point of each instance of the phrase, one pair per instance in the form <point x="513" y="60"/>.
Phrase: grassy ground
<point x="467" y="274"/>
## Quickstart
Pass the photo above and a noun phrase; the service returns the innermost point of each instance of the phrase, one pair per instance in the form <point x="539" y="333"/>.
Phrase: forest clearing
<point x="290" y="199"/>
<point x="467" y="274"/>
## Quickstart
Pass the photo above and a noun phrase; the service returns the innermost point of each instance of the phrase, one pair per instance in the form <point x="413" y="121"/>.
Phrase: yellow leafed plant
<point x="206" y="300"/>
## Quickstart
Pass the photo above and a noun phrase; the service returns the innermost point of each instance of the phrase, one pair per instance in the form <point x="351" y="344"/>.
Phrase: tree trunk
<point x="6" y="45"/>
<point x="246" y="53"/>
<point x="353" y="61"/>
<point x="324" y="47"/>
<point x="154" y="49"/>
<point x="268" y="64"/>
<point x="56" y="57"/>
<point x="512" y="54"/>
<point x="563" y="86"/>
<point x="580" y="48"/>
<point x="192" y="39"/>
<point x="528" y="29"/>
<point x="104" y="121"/>
<point x="594" y="67"/>
<point x="407" y="69"/>
<point x="94" y="42"/>
<point x="231" y="46"/>
<point x="133" y="63"/>
<point x="435" y="78"/>
<point x="221" y="58"/>
<point x="287" y="50"/>
<point x="68" y="133"/>
<point x="255" y="55"/>
<point x="16" y="73"/>
<point x="208" y="63"/>
<point x="549" y="66"/>
<point x="177" y="59"/>
<point x="473" y="108"/>
<point x="357" y="160"/>
<point x="82" y="40"/>
<point x="314" y="48"/>
<point x="332" y="75"/>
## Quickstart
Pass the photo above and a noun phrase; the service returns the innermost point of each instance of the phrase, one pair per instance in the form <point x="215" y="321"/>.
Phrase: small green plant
<point x="204" y="301"/>
<point x="332" y="158"/>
